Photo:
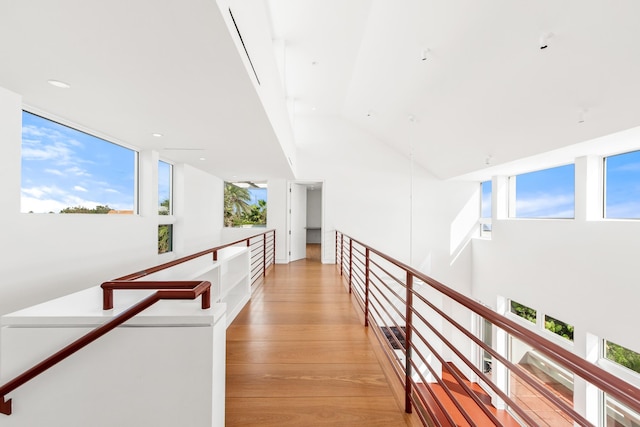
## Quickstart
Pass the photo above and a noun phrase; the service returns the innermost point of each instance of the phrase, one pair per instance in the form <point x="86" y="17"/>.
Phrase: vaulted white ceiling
<point x="485" y="91"/>
<point x="463" y="83"/>
<point x="142" y="67"/>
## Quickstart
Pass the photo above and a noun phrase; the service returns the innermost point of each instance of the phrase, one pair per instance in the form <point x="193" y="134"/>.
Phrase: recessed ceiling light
<point x="202" y="158"/>
<point x="58" y="83"/>
<point x="313" y="108"/>
<point x="157" y="135"/>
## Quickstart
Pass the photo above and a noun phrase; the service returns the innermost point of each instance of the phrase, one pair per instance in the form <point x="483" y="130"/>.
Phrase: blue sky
<point x="62" y="167"/>
<point x="623" y="186"/>
<point x="549" y="193"/>
<point x="546" y="194"/>
<point x="257" y="194"/>
<point x="164" y="181"/>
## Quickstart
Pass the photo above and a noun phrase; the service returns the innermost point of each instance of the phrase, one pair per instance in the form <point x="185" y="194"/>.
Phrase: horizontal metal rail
<point x="384" y="289"/>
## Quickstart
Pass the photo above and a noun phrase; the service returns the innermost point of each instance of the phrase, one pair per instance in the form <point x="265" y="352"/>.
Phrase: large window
<point x="622" y="189"/>
<point x="485" y="209"/>
<point x="549" y="193"/>
<point x="165" y="207"/>
<point x="68" y="171"/>
<point x="245" y="204"/>
<point x="165" y="180"/>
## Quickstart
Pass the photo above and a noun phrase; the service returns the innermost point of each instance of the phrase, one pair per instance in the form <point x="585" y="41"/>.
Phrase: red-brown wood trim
<point x="619" y="389"/>
<point x="196" y="290"/>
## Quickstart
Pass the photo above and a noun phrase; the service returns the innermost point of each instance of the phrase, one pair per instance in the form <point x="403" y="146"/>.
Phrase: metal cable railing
<point x="422" y="339"/>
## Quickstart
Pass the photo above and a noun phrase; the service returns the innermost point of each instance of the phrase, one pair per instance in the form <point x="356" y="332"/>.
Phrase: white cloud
<point x="628" y="167"/>
<point x="78" y="188"/>
<point x="54" y="172"/>
<point x="630" y="209"/>
<point x="30" y="204"/>
<point x="546" y="206"/>
<point x="111" y="190"/>
<point x="77" y="171"/>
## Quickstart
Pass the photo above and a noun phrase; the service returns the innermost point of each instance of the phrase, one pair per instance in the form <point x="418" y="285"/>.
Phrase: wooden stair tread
<point x="469" y="405"/>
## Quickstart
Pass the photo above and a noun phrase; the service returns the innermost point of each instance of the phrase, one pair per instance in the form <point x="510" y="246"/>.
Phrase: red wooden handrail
<point x="179" y="291"/>
<point x="165" y="290"/>
<point x="619" y="389"/>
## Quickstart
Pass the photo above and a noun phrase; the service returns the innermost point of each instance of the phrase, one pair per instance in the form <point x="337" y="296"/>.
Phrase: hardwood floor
<point x="298" y="355"/>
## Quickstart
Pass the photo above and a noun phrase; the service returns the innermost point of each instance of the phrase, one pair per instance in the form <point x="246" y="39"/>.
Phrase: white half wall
<point x="48" y="255"/>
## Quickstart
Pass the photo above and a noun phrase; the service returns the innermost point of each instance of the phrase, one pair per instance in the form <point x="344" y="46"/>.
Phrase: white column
<point x="500" y="197"/>
<point x="148" y="183"/>
<point x="586" y="396"/>
<point x="589" y="180"/>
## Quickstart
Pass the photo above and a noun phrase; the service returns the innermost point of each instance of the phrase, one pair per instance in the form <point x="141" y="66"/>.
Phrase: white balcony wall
<point x="45" y="255"/>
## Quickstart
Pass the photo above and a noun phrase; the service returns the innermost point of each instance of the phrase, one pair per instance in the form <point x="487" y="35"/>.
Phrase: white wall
<point x="314" y="207"/>
<point x="45" y="255"/>
<point x="581" y="272"/>
<point x="367" y="194"/>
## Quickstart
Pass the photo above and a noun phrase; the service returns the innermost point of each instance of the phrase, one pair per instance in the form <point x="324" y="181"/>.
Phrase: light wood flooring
<point x="298" y="355"/>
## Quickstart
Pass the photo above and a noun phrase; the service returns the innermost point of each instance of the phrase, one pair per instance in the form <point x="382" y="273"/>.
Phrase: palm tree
<point x="236" y="202"/>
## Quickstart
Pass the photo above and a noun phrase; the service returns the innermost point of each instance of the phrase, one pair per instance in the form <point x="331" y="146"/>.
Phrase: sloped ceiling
<point x="462" y="83"/>
<point x="484" y="93"/>
<point x="142" y="67"/>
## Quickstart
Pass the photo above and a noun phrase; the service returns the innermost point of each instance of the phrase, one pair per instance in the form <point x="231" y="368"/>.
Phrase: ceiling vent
<point x="243" y="45"/>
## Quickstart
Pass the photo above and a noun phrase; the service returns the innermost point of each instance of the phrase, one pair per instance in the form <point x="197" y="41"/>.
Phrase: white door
<point x="297" y="222"/>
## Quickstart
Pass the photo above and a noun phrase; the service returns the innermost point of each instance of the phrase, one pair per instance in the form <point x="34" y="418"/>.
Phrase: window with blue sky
<point x="64" y="169"/>
<point x="165" y="172"/>
<point x="485" y="207"/>
<point x="622" y="185"/>
<point x="548" y="193"/>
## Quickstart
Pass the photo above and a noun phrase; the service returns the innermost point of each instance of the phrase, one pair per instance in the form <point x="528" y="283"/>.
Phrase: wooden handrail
<point x="179" y="292"/>
<point x="616" y="387"/>
<point x="165" y="290"/>
<point x="175" y="262"/>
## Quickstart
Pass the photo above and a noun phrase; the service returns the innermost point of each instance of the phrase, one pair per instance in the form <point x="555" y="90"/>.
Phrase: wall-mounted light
<point x="544" y="40"/>
<point x="424" y="54"/>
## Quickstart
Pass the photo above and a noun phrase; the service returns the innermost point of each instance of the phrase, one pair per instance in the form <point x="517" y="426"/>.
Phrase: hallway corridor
<point x="297" y="355"/>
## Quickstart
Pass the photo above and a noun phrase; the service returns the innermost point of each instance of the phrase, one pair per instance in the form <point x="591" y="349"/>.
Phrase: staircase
<point x="468" y="404"/>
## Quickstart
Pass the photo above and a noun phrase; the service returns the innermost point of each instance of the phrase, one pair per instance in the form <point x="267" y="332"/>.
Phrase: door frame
<point x="308" y="183"/>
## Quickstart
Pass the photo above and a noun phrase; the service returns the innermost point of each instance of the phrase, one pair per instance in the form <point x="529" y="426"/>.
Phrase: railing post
<point x="408" y="344"/>
<point x="264" y="255"/>
<point x="366" y="289"/>
<point x="249" y="242"/>
<point x="274" y="247"/>
<point x="215" y="255"/>
<point x="341" y="251"/>
<point x="350" y="263"/>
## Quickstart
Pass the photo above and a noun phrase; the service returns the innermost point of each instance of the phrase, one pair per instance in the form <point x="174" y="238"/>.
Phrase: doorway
<point x="305" y="220"/>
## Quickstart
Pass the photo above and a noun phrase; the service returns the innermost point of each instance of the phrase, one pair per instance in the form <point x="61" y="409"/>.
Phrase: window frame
<point x="93" y="134"/>
<point x="512" y="202"/>
<point x="169" y="218"/>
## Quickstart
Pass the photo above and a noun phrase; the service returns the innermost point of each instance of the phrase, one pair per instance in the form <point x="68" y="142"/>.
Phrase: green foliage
<point x="558" y="327"/>
<point x="164" y="208"/>
<point x="238" y="211"/>
<point x="81" y="209"/>
<point x="623" y="356"/>
<point x="523" y="311"/>
<point x="165" y="236"/>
